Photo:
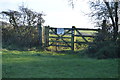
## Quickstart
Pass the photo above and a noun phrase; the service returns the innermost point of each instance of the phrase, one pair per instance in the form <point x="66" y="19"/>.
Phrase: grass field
<point x="35" y="64"/>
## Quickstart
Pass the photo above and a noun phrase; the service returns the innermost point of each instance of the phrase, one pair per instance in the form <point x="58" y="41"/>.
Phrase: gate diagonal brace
<point x="52" y="40"/>
<point x="65" y="33"/>
<point x="61" y="38"/>
<point x="81" y="35"/>
<point x="51" y="43"/>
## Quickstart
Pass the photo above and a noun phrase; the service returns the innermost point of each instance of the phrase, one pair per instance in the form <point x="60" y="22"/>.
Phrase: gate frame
<point x="73" y="31"/>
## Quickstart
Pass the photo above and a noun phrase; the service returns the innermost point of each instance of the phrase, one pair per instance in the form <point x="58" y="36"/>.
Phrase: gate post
<point x="40" y="35"/>
<point x="72" y="38"/>
<point x="103" y="30"/>
<point x="46" y="36"/>
<point x="75" y="39"/>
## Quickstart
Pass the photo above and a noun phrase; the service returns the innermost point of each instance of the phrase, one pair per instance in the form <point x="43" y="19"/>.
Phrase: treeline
<point x="22" y="32"/>
<point x="27" y="38"/>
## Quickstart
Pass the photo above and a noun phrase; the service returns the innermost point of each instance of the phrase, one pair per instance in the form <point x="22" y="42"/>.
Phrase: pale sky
<point x="58" y="12"/>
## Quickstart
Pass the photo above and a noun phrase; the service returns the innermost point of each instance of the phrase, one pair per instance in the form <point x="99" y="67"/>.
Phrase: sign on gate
<point x="60" y="30"/>
<point x="66" y="37"/>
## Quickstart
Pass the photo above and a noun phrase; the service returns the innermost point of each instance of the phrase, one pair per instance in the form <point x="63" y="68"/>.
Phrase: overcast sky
<point x="58" y="12"/>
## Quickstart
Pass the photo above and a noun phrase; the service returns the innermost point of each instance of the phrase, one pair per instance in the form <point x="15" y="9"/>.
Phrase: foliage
<point x="23" y="28"/>
<point x="105" y="14"/>
<point x="105" y="10"/>
<point x="99" y="10"/>
<point x="103" y="50"/>
<point x="23" y="17"/>
<point x="104" y="46"/>
<point x="13" y="40"/>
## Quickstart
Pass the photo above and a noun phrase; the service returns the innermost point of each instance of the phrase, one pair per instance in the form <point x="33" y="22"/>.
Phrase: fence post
<point x="104" y="26"/>
<point x="40" y="35"/>
<point x="46" y="37"/>
<point x="103" y="30"/>
<point x="72" y="38"/>
<point x="75" y="39"/>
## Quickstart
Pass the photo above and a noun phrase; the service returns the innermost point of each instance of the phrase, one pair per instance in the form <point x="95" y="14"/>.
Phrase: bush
<point x="104" y="50"/>
<point x="105" y="46"/>
<point x="11" y="39"/>
<point x="109" y="51"/>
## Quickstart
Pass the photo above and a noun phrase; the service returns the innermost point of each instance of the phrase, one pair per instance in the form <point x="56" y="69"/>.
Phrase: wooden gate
<point x="57" y="36"/>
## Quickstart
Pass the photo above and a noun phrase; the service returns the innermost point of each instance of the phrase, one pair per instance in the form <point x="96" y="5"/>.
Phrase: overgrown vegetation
<point x="104" y="50"/>
<point x="23" y="30"/>
<point x="105" y="14"/>
<point x="13" y="40"/>
<point x="105" y="46"/>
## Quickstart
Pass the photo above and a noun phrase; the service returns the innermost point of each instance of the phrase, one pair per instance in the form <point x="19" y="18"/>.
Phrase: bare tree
<point x="25" y="22"/>
<point x="105" y="10"/>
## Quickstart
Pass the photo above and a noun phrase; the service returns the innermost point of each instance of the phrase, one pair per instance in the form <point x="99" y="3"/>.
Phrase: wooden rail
<point x="70" y="33"/>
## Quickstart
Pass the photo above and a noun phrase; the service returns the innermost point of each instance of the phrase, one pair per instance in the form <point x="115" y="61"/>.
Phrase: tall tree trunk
<point x="114" y="22"/>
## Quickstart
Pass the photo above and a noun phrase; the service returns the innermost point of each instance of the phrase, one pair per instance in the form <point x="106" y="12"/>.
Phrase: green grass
<point x="34" y="64"/>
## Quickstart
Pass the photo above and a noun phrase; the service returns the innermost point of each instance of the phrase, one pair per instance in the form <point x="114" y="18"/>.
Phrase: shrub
<point x="108" y="51"/>
<point x="103" y="50"/>
<point x="11" y="39"/>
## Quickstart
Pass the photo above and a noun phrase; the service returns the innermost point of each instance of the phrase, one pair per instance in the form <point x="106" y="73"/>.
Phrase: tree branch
<point x="110" y="12"/>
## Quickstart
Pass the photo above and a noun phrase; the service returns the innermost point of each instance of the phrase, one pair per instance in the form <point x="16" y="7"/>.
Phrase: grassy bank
<point x="34" y="64"/>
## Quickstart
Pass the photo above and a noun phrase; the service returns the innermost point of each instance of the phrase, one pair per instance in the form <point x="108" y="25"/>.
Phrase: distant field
<point x="34" y="64"/>
<point x="76" y="39"/>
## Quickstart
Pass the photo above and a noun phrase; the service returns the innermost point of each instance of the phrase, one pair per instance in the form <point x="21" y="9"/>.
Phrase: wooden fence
<point x="54" y="35"/>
